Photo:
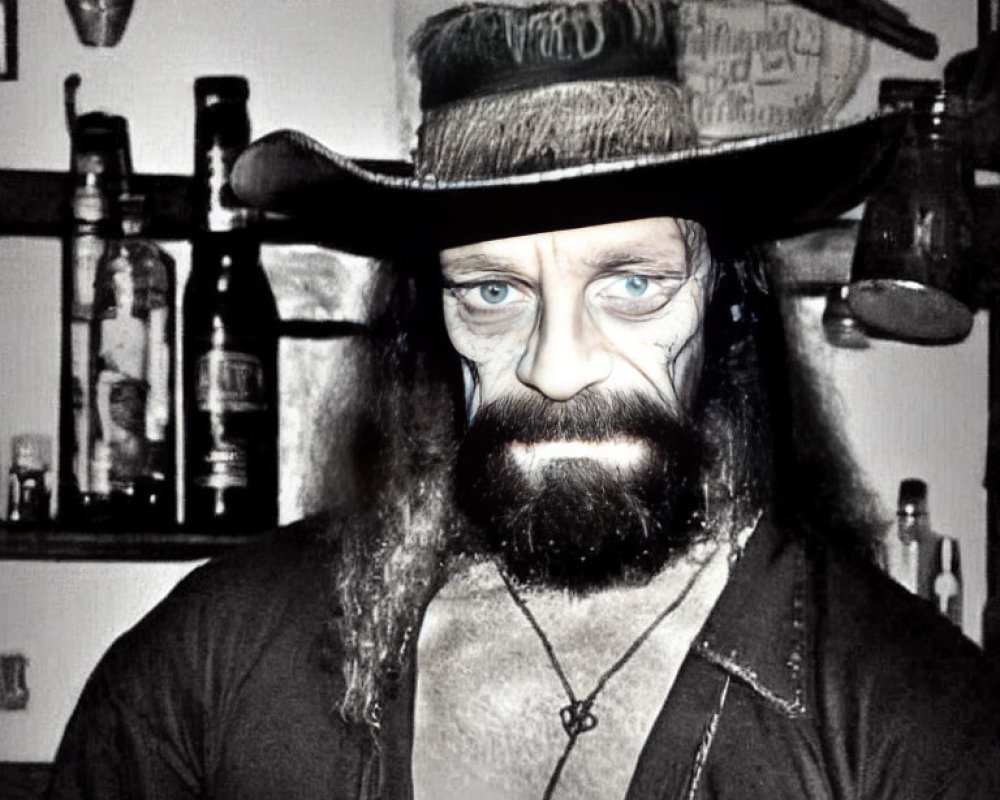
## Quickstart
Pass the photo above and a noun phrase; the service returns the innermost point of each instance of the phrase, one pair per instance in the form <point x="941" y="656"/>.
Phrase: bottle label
<point x="88" y="248"/>
<point x="230" y="381"/>
<point x="224" y="466"/>
<point x="81" y="398"/>
<point x="158" y="376"/>
<point x="119" y="449"/>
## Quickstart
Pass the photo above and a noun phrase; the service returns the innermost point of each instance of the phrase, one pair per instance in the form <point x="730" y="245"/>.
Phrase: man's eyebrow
<point x="476" y="262"/>
<point x="626" y="258"/>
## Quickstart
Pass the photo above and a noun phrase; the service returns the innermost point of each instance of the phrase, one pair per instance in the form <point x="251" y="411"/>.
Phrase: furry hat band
<point x="511" y="90"/>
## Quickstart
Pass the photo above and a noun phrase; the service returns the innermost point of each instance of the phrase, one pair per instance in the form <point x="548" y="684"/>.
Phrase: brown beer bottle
<point x="230" y="338"/>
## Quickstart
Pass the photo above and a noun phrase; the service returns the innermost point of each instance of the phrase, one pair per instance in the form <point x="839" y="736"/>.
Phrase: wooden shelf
<point x="59" y="545"/>
<point x="34" y="203"/>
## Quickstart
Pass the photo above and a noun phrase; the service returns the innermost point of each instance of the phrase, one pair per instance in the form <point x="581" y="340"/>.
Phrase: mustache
<point x="580" y="525"/>
<point x="589" y="416"/>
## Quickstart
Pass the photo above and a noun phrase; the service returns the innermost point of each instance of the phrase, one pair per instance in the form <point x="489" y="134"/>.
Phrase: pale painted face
<point x="614" y="308"/>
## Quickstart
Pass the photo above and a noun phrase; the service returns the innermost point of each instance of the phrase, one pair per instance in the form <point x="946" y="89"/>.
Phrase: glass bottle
<point x="911" y="274"/>
<point x="132" y="475"/>
<point x="28" y="489"/>
<point x="230" y="323"/>
<point x="946" y="586"/>
<point x="83" y="248"/>
<point x="923" y="561"/>
<point x="902" y="548"/>
<point x="100" y="173"/>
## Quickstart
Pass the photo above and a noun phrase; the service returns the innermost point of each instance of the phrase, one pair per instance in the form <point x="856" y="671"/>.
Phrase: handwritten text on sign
<point x="756" y="66"/>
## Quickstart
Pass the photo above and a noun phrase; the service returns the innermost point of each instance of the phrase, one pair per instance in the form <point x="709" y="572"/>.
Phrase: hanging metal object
<point x="911" y="274"/>
<point x="99" y="23"/>
<point x="840" y="327"/>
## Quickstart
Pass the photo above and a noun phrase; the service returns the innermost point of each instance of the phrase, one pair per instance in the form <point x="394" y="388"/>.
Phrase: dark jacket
<point x="815" y="677"/>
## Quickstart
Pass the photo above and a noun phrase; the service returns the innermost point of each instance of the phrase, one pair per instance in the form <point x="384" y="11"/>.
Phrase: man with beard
<point x="606" y="543"/>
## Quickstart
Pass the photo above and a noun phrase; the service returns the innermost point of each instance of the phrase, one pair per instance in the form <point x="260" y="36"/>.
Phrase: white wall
<point x="63" y="616"/>
<point x="911" y="411"/>
<point x="954" y="22"/>
<point x="323" y="66"/>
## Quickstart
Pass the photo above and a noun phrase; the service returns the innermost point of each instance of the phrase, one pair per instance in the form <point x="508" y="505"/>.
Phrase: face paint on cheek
<point x="684" y="367"/>
<point x="473" y="395"/>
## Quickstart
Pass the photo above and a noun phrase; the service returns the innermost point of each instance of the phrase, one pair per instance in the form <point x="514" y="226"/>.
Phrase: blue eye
<point x="494" y="292"/>
<point x="636" y="285"/>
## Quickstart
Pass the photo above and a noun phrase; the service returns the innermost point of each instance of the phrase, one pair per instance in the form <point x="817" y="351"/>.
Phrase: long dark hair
<point x="814" y="487"/>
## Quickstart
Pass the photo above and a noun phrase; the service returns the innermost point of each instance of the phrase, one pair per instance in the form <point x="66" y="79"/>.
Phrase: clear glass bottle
<point x="100" y="173"/>
<point x="131" y="474"/>
<point x="230" y="323"/>
<point x="83" y="248"/>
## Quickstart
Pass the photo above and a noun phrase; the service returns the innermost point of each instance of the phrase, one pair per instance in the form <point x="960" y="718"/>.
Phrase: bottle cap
<point x="212" y="89"/>
<point x="106" y="136"/>
<point x="912" y="498"/>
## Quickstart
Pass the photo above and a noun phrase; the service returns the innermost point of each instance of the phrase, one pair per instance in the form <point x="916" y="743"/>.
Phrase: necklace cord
<point x="576" y="717"/>
<point x="672" y="606"/>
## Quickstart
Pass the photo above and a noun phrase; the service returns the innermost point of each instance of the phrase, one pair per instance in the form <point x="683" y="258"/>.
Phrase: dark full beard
<point x="581" y="524"/>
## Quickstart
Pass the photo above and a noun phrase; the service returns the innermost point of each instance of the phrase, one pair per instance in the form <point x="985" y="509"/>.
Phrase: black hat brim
<point x="755" y="189"/>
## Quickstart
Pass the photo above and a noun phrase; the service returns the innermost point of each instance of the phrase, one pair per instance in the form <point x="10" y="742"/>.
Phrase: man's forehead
<point x="649" y="237"/>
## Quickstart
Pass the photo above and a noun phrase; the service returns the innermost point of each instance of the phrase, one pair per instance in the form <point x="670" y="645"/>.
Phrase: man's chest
<point x="490" y="693"/>
<point x="492" y="728"/>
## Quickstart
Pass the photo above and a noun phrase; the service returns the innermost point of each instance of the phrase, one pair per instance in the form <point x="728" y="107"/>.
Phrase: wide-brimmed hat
<point x="558" y="116"/>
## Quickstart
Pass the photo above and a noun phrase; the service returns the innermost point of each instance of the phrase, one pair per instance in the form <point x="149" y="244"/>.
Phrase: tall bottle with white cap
<point x="923" y="561"/>
<point x="230" y="340"/>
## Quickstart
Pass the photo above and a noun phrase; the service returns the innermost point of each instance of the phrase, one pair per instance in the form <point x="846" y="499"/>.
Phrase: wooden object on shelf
<point x="880" y="20"/>
<point x="815" y="260"/>
<point x="59" y="545"/>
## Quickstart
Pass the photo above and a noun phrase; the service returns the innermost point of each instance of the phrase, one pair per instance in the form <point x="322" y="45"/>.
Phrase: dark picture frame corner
<point x="8" y="40"/>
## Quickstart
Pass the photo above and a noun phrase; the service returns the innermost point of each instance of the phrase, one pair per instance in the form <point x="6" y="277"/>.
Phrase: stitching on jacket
<point x="793" y="708"/>
<point x="707" y="737"/>
<point x="794" y="663"/>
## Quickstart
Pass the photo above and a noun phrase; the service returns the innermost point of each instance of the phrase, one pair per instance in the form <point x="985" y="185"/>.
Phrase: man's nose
<point x="565" y="354"/>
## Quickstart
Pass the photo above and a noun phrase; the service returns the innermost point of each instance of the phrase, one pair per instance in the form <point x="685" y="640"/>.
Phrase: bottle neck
<point x="222" y="131"/>
<point x="224" y="250"/>
<point x="937" y="122"/>
<point x="219" y="211"/>
<point x="912" y="527"/>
